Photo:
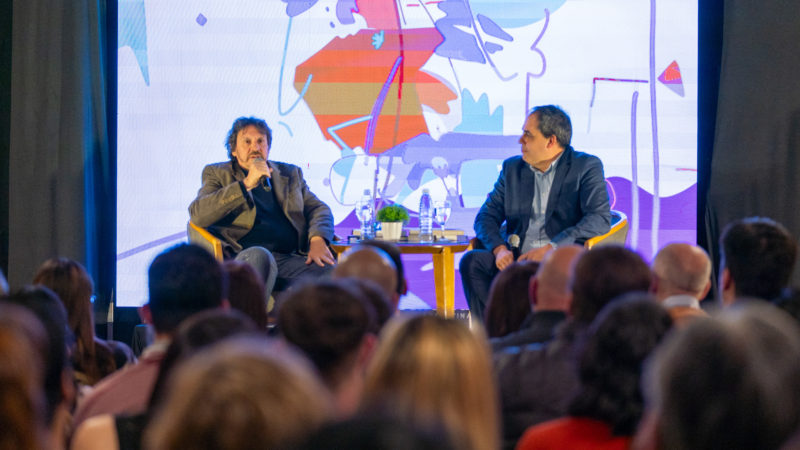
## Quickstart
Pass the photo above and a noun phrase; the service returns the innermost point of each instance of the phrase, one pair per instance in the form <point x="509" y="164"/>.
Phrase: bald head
<point x="550" y="288"/>
<point x="681" y="269"/>
<point x="369" y="263"/>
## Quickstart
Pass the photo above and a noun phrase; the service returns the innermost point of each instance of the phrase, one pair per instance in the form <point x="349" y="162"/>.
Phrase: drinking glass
<point x="441" y="212"/>
<point x="364" y="212"/>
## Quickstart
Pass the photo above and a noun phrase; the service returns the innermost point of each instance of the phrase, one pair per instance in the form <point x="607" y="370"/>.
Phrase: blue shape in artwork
<point x="514" y="13"/>
<point x="133" y="33"/>
<point x="377" y="39"/>
<point x="482" y="174"/>
<point x="201" y="19"/>
<point x="493" y="29"/>
<point x="457" y="44"/>
<point x="297" y="7"/>
<point x="475" y="116"/>
<point x="491" y="47"/>
<point x="345" y="10"/>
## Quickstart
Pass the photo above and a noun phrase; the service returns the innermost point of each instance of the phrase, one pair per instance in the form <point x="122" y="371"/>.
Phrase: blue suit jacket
<point x="577" y="208"/>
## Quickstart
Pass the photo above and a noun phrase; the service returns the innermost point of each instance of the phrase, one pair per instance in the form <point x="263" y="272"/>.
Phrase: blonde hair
<point x="241" y="392"/>
<point x="428" y="369"/>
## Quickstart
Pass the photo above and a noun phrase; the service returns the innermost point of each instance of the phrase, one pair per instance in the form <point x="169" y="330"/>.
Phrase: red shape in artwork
<point x="348" y="75"/>
<point x="671" y="78"/>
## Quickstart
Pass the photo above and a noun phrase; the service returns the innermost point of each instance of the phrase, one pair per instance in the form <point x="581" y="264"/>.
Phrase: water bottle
<point x="365" y="215"/>
<point x="425" y="217"/>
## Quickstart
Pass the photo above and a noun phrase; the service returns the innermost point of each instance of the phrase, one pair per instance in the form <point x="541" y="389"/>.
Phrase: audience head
<point x="246" y="291"/>
<point x="367" y="432"/>
<point x="624" y="333"/>
<point x="23" y="343"/>
<point x="197" y="333"/>
<point x="70" y="281"/>
<point x="730" y="381"/>
<point x="183" y="280"/>
<point x="394" y="252"/>
<point x="757" y="259"/>
<point x="58" y="380"/>
<point x="550" y="288"/>
<point x="334" y="325"/>
<point x="603" y="274"/>
<point x="508" y="303"/>
<point x="375" y="296"/>
<point x="421" y="371"/>
<point x="240" y="392"/>
<point x="240" y="124"/>
<point x="681" y="269"/>
<point x="371" y="263"/>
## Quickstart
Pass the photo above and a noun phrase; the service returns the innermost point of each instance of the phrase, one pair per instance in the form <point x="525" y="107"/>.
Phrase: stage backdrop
<point x="432" y="93"/>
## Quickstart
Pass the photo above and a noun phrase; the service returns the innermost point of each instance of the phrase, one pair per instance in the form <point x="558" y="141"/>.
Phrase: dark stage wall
<point x="757" y="144"/>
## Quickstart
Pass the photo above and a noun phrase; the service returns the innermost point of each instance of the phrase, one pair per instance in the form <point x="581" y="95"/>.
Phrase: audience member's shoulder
<point x="517" y="356"/>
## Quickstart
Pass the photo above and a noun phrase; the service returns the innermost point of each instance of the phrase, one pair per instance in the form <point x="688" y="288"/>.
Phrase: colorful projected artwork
<point x="400" y="95"/>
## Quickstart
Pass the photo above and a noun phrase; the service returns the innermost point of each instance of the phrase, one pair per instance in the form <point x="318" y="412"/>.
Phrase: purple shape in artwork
<point x="493" y="29"/>
<point x="677" y="214"/>
<point x="345" y="10"/>
<point x="201" y="19"/>
<point x="457" y="44"/>
<point x="491" y="47"/>
<point x="297" y="7"/>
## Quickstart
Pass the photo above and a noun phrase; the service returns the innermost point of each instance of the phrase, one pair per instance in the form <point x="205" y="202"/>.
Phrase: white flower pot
<point x="391" y="231"/>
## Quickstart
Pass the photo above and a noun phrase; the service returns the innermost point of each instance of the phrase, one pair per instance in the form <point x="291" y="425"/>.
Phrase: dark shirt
<point x="272" y="229"/>
<point x="536" y="328"/>
<point x="537" y="381"/>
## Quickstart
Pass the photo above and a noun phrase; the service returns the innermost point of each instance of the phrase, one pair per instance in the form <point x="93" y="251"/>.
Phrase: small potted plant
<point x="392" y="218"/>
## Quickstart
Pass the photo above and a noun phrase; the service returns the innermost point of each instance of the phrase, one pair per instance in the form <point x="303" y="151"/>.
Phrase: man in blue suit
<point x="549" y="196"/>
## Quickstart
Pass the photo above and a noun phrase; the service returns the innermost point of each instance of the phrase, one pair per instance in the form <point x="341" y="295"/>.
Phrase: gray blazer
<point x="225" y="208"/>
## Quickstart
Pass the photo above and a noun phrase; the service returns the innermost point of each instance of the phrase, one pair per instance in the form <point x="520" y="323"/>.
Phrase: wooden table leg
<point x="444" y="278"/>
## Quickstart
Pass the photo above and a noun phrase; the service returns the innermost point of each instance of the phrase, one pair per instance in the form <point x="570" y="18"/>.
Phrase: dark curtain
<point x="61" y="170"/>
<point x="757" y="144"/>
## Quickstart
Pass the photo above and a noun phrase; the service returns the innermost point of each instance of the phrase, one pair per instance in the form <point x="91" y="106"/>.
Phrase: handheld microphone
<point x="264" y="179"/>
<point x="513" y="243"/>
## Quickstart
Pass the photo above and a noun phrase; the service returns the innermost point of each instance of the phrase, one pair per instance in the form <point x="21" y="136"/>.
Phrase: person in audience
<point x="394" y="252"/>
<point x="240" y="394"/>
<point x="428" y="369"/>
<point x="182" y="280"/>
<point x="382" y="432"/>
<point x="23" y="347"/>
<point x="58" y="381"/>
<point x="548" y="299"/>
<point x="730" y="381"/>
<point x="198" y="332"/>
<point x="246" y="291"/>
<point x="757" y="257"/>
<point x="608" y="406"/>
<point x="375" y="296"/>
<point x="336" y="328"/>
<point x="370" y="263"/>
<point x="93" y="358"/>
<point x="538" y="381"/>
<point x="681" y="278"/>
<point x="508" y="304"/>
